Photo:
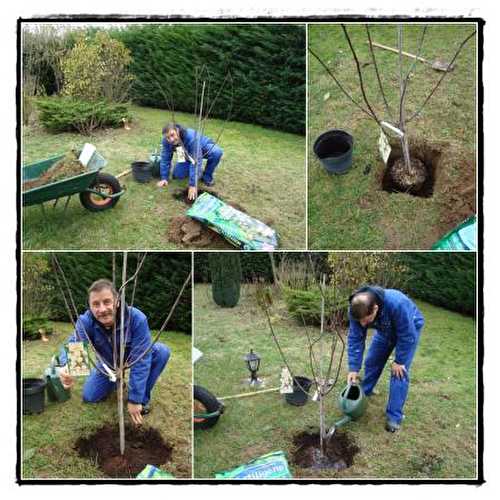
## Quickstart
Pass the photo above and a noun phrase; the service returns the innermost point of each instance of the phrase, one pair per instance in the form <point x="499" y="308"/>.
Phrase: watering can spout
<point x="344" y="420"/>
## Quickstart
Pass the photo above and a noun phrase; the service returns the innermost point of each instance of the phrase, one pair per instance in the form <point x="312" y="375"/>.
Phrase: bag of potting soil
<point x="270" y="466"/>
<point x="238" y="228"/>
<point x="77" y="354"/>
<point x="152" y="472"/>
<point x="463" y="237"/>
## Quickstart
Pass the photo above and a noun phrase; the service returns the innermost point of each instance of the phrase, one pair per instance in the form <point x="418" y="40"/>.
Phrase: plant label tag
<point x="181" y="156"/>
<point x="315" y="395"/>
<point x="384" y="147"/>
<point x="286" y="382"/>
<point x="78" y="359"/>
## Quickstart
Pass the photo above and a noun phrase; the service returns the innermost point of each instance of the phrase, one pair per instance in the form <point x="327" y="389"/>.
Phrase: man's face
<point x="103" y="306"/>
<point x="172" y="136"/>
<point x="368" y="320"/>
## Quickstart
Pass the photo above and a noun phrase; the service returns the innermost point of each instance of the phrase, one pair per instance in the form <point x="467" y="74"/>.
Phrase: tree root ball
<point x="408" y="178"/>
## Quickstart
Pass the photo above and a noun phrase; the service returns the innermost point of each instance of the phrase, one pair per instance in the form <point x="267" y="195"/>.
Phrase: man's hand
<point x="134" y="411"/>
<point x="353" y="378"/>
<point x="162" y="184"/>
<point x="67" y="380"/>
<point x="398" y="371"/>
<point x="192" y="193"/>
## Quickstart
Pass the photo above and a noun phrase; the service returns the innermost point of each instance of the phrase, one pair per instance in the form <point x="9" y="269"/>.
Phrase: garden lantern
<point x="252" y="360"/>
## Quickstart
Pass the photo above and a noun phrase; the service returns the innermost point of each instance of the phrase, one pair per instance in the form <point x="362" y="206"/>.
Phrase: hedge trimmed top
<point x="267" y="65"/>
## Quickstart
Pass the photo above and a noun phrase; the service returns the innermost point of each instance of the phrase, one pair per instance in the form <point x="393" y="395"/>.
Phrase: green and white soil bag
<point x="153" y="472"/>
<point x="238" y="228"/>
<point x="270" y="466"/>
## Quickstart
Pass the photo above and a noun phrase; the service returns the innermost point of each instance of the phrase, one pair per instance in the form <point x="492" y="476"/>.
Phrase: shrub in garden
<point x="225" y="270"/>
<point x="96" y="68"/>
<point x="67" y="114"/>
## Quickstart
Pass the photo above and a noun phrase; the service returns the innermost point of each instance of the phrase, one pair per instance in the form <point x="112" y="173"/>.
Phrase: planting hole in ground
<point x="142" y="447"/>
<point x="419" y="179"/>
<point x="183" y="195"/>
<point x="339" y="451"/>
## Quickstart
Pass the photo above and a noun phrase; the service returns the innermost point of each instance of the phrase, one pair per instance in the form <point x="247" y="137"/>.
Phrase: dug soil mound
<point x="142" y="447"/>
<point x="187" y="232"/>
<point x="69" y="166"/>
<point x="339" y="453"/>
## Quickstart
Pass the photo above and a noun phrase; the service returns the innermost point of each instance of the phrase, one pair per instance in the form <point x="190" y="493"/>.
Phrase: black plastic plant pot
<point x="33" y="395"/>
<point x="298" y="397"/>
<point x="334" y="151"/>
<point x="142" y="171"/>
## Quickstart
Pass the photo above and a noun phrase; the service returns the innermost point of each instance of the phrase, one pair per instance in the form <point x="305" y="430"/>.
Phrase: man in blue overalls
<point x="397" y="323"/>
<point x="185" y="141"/>
<point x="96" y="326"/>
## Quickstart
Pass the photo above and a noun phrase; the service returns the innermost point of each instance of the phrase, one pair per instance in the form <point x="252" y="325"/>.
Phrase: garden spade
<point x="438" y="64"/>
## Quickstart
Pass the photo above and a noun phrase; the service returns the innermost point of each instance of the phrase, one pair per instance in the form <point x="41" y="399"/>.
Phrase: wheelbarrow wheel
<point x="105" y="183"/>
<point x="204" y="402"/>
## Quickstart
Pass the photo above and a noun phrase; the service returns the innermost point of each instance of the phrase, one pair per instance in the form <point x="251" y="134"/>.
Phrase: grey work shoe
<point x="207" y="183"/>
<point x="391" y="426"/>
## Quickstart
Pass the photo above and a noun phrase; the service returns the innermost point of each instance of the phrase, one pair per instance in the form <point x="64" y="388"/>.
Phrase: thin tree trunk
<point x="402" y="84"/>
<point x="121" y="416"/>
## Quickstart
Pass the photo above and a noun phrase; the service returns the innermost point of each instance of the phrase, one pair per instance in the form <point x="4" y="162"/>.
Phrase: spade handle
<point x="380" y="46"/>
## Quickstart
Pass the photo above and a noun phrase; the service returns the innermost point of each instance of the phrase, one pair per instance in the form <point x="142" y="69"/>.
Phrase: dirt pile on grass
<point x="142" y="447"/>
<point x="184" y="230"/>
<point x="68" y="166"/>
<point x="339" y="453"/>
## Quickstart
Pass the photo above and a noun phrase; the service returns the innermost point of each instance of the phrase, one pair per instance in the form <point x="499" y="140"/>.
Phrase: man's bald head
<point x="363" y="304"/>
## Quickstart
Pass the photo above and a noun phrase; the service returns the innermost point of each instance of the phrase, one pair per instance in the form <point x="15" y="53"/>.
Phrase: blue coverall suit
<point x="208" y="150"/>
<point x="397" y="326"/>
<point x="143" y="374"/>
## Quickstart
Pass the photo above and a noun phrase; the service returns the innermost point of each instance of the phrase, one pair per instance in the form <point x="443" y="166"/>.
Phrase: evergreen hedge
<point x="267" y="64"/>
<point x="444" y="279"/>
<point x="159" y="282"/>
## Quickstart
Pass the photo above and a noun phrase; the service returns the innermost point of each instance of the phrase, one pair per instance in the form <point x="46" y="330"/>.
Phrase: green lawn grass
<point x="262" y="170"/>
<point x="438" y="437"/>
<point x="351" y="211"/>
<point x="48" y="438"/>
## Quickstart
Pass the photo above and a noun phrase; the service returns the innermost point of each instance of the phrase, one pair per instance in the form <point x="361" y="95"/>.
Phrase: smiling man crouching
<point x="97" y="325"/>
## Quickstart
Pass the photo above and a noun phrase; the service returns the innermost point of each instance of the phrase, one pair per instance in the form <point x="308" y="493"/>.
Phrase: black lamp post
<point x="253" y="362"/>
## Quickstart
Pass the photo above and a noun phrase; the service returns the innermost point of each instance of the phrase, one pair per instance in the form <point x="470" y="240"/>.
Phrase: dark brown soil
<point x="188" y="232"/>
<point x="142" y="447"/>
<point x="408" y="179"/>
<point x="339" y="454"/>
<point x="67" y="167"/>
<point x="183" y="195"/>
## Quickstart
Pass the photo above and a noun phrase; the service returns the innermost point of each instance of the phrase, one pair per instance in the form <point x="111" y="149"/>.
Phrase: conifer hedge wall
<point x="267" y="64"/>
<point x="159" y="282"/>
<point x="444" y="279"/>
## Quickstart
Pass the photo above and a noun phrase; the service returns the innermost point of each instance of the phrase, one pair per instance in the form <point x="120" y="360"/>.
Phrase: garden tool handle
<point x="380" y="46"/>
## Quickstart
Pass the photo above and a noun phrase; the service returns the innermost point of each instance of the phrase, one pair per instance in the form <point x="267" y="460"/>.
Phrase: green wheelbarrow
<point x="98" y="191"/>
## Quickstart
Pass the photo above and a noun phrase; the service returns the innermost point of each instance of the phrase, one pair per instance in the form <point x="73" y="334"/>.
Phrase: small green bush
<point x="34" y="326"/>
<point x="66" y="114"/>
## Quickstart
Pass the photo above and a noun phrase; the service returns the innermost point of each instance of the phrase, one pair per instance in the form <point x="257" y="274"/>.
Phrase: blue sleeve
<point x="355" y="345"/>
<point x="165" y="159"/>
<point x="139" y="373"/>
<point x="78" y="335"/>
<point x="406" y="333"/>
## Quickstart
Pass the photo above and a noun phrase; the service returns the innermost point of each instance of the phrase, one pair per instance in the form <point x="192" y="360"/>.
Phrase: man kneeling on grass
<point x="185" y="141"/>
<point x="97" y="324"/>
<point x="397" y="323"/>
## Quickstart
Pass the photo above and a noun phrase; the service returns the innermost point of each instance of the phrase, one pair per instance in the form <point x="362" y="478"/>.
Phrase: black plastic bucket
<point x="298" y="397"/>
<point x="334" y="151"/>
<point x="33" y="395"/>
<point x="142" y="172"/>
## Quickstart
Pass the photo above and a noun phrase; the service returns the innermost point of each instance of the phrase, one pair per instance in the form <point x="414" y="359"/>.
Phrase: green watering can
<point x="55" y="390"/>
<point x="352" y="403"/>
